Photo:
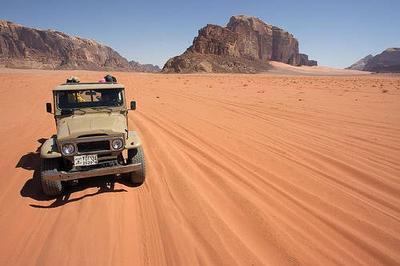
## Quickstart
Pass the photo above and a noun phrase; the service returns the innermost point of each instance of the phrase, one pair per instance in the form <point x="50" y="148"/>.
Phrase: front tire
<point x="137" y="156"/>
<point x="50" y="187"/>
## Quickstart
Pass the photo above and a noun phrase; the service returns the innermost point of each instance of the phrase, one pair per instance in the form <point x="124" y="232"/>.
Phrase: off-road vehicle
<point x="92" y="136"/>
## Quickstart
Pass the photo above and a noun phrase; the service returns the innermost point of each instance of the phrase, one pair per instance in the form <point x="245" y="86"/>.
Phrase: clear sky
<point x="335" y="32"/>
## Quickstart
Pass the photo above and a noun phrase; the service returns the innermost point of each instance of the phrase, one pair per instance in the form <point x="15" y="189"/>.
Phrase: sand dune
<point x="279" y="68"/>
<point x="245" y="169"/>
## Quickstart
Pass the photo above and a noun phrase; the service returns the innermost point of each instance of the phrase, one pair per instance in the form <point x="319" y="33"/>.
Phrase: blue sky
<point x="336" y="33"/>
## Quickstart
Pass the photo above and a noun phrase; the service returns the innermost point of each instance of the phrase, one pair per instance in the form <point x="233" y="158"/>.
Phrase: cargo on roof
<point x="88" y="86"/>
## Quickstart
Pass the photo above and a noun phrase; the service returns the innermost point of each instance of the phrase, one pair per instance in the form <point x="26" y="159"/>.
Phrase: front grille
<point x="102" y="145"/>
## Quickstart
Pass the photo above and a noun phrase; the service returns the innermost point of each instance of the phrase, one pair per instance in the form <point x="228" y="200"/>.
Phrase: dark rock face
<point x="245" y="45"/>
<point x="285" y="48"/>
<point x="215" y="40"/>
<point x="255" y="38"/>
<point x="24" y="47"/>
<point x="386" y="62"/>
<point x="360" y="64"/>
<point x="304" y="61"/>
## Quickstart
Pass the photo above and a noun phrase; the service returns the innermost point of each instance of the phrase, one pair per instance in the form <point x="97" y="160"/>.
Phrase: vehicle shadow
<point x="32" y="187"/>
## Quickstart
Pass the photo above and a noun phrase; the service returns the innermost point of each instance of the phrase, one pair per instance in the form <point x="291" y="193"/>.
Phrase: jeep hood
<point x="88" y="124"/>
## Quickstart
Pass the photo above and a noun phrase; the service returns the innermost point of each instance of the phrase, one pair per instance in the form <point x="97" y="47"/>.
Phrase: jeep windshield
<point x="95" y="98"/>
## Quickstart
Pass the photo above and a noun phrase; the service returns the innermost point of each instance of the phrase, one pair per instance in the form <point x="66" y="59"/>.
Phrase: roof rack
<point x="88" y="86"/>
<point x="88" y="83"/>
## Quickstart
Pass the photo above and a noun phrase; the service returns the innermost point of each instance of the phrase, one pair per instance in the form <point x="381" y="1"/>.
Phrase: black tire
<point x="137" y="156"/>
<point x="50" y="187"/>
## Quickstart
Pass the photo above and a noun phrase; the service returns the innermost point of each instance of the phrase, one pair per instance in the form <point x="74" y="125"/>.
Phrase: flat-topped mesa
<point x="258" y="40"/>
<point x="246" y="44"/>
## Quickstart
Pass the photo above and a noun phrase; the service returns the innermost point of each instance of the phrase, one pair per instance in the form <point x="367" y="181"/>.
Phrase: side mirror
<point x="133" y="105"/>
<point x="48" y="107"/>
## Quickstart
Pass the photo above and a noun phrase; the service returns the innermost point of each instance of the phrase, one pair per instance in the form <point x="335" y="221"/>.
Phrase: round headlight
<point x="68" y="149"/>
<point x="117" y="144"/>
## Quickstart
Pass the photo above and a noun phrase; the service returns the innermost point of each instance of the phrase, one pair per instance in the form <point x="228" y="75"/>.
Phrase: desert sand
<point x="279" y="68"/>
<point x="242" y="170"/>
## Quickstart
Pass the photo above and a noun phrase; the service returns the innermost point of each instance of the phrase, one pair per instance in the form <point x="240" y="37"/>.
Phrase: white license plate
<point x="85" y="160"/>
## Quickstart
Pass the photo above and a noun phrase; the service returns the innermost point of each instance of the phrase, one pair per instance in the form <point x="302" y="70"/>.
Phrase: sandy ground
<point x="242" y="169"/>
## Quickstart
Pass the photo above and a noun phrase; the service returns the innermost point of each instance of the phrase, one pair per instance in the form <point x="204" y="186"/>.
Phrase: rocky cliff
<point x="24" y="47"/>
<point x="244" y="45"/>
<point x="304" y="61"/>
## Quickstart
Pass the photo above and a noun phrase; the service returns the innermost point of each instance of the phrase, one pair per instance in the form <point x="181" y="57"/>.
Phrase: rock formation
<point x="24" y="47"/>
<point x="244" y="45"/>
<point x="360" y="64"/>
<point x="143" y="67"/>
<point x="386" y="62"/>
<point x="304" y="61"/>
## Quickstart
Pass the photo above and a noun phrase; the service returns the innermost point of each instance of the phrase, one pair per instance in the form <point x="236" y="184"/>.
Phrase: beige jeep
<point x="92" y="136"/>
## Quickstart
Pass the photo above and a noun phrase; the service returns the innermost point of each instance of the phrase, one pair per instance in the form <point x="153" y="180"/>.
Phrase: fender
<point x="133" y="141"/>
<point x="49" y="149"/>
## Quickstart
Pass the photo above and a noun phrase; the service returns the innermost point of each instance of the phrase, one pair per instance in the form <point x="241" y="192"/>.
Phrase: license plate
<point x="85" y="160"/>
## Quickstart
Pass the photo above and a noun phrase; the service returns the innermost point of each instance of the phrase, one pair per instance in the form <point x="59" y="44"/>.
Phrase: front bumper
<point x="66" y="176"/>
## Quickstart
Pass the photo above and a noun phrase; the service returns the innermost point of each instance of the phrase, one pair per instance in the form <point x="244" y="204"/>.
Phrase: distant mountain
<point x="23" y="47"/>
<point x="360" y="64"/>
<point x="386" y="62"/>
<point x="144" y="67"/>
<point x="245" y="45"/>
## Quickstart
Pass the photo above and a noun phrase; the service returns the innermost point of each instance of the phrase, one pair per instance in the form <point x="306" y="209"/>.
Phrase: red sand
<point x="242" y="169"/>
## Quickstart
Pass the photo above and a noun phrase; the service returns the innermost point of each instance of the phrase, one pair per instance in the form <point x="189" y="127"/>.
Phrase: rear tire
<point x="50" y="187"/>
<point x="137" y="156"/>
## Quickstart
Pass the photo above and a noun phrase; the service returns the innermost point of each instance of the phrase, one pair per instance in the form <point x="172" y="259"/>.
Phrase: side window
<point x="62" y="99"/>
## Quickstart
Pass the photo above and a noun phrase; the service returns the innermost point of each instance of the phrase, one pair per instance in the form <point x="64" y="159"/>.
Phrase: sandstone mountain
<point x="144" y="67"/>
<point x="23" y="47"/>
<point x="386" y="62"/>
<point x="360" y="64"/>
<point x="245" y="45"/>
